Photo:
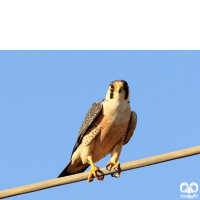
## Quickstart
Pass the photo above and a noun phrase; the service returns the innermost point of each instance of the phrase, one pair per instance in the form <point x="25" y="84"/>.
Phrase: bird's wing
<point x="131" y="127"/>
<point x="93" y="112"/>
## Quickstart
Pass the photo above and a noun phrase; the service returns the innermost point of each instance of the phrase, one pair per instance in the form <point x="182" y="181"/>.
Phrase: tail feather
<point x="73" y="169"/>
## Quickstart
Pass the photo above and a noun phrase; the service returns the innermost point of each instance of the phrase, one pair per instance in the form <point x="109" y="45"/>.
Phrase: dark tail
<point x="73" y="169"/>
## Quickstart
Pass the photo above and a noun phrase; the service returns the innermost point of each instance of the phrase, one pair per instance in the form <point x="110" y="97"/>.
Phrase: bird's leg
<point x="116" y="166"/>
<point x="115" y="153"/>
<point x="93" y="171"/>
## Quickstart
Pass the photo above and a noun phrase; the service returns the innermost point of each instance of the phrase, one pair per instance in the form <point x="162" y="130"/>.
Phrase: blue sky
<point x="45" y="96"/>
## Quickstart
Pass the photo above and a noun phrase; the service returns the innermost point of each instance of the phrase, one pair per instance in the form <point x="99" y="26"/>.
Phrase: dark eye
<point x="112" y="86"/>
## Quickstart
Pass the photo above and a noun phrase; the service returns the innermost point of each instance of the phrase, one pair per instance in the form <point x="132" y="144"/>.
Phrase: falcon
<point x="107" y="126"/>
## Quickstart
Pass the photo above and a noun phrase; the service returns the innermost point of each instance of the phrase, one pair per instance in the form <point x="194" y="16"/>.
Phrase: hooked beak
<point x="119" y="90"/>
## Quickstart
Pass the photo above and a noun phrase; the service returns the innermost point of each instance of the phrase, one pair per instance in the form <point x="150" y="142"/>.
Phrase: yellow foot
<point x="116" y="166"/>
<point x="93" y="172"/>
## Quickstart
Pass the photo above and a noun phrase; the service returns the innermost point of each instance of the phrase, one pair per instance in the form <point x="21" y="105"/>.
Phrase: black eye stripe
<point x="125" y="85"/>
<point x="126" y="89"/>
<point x="111" y="93"/>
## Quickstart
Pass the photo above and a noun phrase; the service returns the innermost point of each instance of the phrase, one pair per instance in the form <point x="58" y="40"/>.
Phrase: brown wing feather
<point x="93" y="112"/>
<point x="131" y="127"/>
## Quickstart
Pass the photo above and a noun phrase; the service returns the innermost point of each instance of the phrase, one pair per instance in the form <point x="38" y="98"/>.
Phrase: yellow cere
<point x="117" y="87"/>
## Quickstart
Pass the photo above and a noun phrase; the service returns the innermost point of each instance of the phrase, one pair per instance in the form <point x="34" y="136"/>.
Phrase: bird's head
<point x="118" y="90"/>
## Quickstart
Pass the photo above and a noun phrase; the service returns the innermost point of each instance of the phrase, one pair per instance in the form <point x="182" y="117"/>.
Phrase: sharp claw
<point x="108" y="168"/>
<point x="93" y="172"/>
<point x="91" y="179"/>
<point x="116" y="167"/>
<point x="113" y="175"/>
<point x="116" y="175"/>
<point x="102" y="174"/>
<point x="109" y="164"/>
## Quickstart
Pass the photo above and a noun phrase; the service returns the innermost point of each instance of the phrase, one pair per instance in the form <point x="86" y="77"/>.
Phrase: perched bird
<point x="107" y="126"/>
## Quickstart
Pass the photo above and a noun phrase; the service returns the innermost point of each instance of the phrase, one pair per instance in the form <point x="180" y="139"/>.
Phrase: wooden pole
<point x="83" y="176"/>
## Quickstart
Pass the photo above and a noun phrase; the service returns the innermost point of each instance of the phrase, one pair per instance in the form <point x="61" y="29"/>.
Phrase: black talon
<point x="114" y="175"/>
<point x="102" y="174"/>
<point x="116" y="169"/>
<point x="108" y="168"/>
<point x="92" y="178"/>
